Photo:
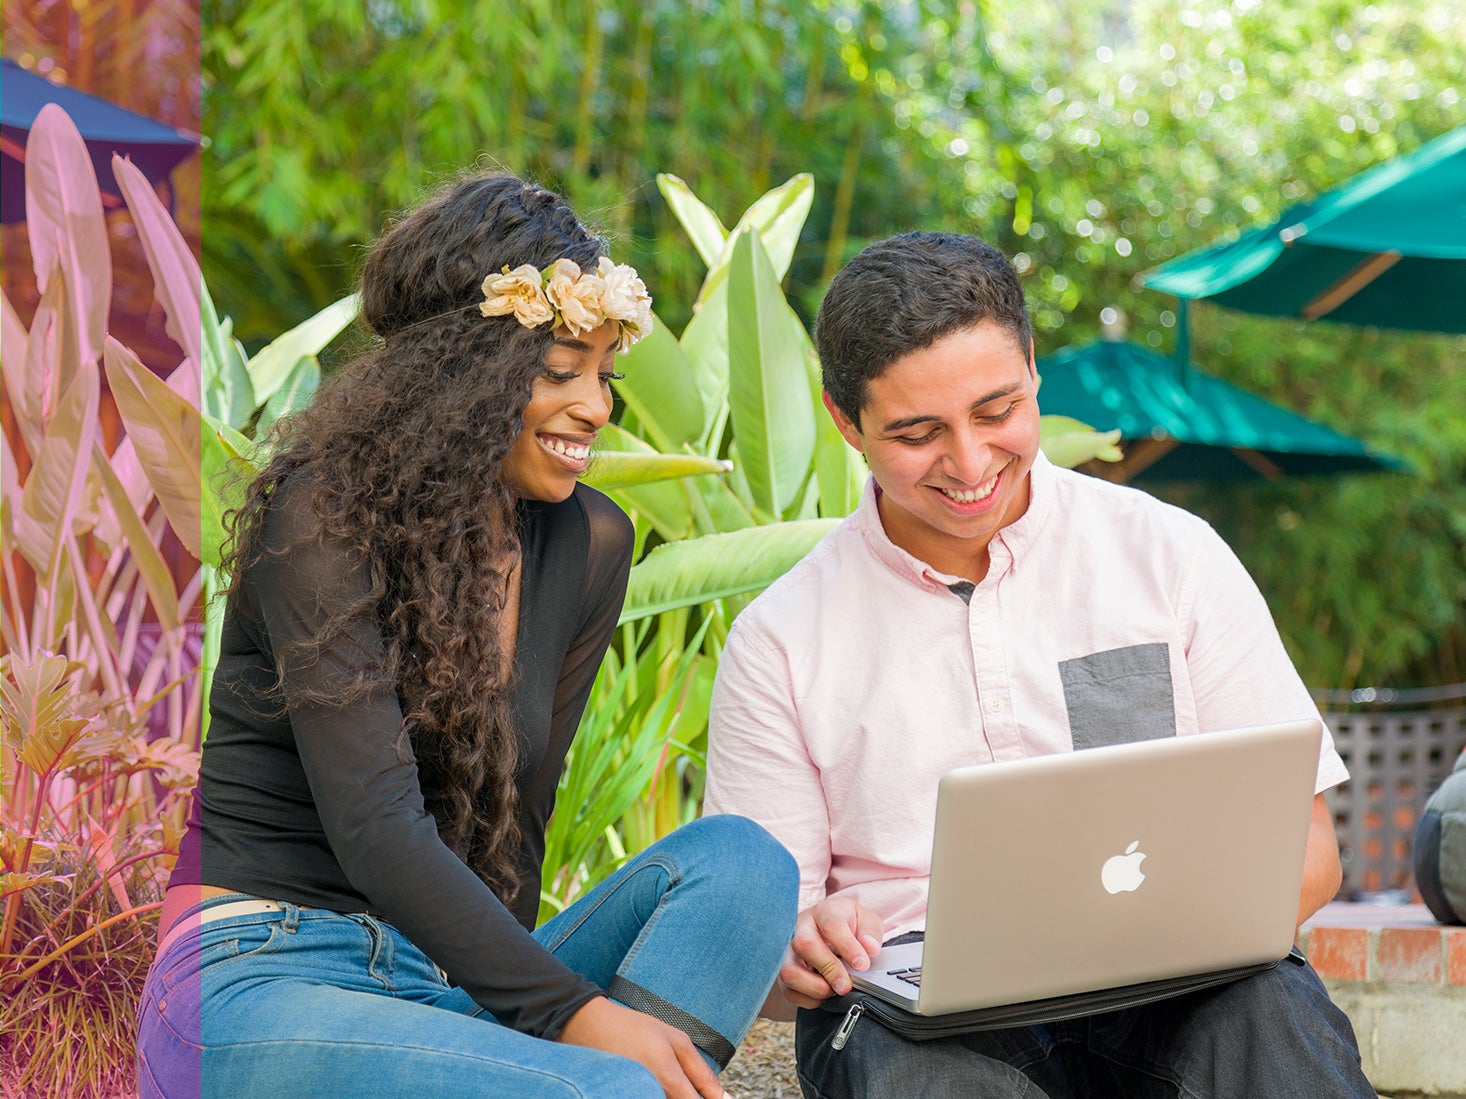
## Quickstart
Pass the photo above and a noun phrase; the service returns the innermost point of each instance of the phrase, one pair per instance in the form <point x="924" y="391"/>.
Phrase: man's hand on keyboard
<point x="829" y="937"/>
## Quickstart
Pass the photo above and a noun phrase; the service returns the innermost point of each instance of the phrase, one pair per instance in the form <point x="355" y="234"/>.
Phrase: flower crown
<point x="564" y="294"/>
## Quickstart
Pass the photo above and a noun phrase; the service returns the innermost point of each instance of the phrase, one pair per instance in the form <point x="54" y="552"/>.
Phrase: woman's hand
<point x="666" y="1051"/>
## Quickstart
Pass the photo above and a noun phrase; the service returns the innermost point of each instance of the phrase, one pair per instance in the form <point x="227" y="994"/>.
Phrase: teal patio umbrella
<point x="1181" y="424"/>
<point x="1387" y="248"/>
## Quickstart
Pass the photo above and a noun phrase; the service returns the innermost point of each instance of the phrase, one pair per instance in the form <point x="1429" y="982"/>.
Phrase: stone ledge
<point x="1401" y="978"/>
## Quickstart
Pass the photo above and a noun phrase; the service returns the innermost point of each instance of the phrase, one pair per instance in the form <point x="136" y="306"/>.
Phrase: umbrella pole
<point x="1353" y="282"/>
<point x="1183" y="342"/>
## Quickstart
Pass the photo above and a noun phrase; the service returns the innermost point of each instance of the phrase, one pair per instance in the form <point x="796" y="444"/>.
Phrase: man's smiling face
<point x="950" y="433"/>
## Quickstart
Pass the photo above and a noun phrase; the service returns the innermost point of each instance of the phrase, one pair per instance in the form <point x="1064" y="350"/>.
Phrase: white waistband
<point x="249" y="906"/>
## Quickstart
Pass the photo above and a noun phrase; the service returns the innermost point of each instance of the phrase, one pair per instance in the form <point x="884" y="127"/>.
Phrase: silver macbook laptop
<point x="1107" y="867"/>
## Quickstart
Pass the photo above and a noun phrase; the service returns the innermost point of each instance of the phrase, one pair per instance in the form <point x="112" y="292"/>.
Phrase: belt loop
<point x="292" y="916"/>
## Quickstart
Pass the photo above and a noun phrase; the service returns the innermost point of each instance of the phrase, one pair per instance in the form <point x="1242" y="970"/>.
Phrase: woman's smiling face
<point x="569" y="404"/>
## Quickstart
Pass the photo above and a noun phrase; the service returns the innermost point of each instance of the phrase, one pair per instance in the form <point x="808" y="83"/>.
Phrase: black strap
<point x="719" y="1048"/>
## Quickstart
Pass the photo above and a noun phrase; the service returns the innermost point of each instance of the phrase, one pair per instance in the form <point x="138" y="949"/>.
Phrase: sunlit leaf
<point x="779" y="216"/>
<point x="216" y="342"/>
<point x="705" y="345"/>
<point x="63" y="207"/>
<point x="156" y="575"/>
<point x="226" y="465"/>
<point x="620" y="470"/>
<point x="717" y="505"/>
<point x="35" y="700"/>
<point x="166" y="432"/>
<point x="227" y="393"/>
<point x="839" y="470"/>
<point x="129" y="473"/>
<point x="1068" y="443"/>
<point x="18" y="882"/>
<point x="9" y="496"/>
<point x="52" y="498"/>
<point x="702" y="225"/>
<point x="664" y="504"/>
<point x="176" y="275"/>
<point x="52" y="354"/>
<point x="294" y="393"/>
<point x="660" y="387"/>
<point x="14" y="354"/>
<point x="272" y="365"/>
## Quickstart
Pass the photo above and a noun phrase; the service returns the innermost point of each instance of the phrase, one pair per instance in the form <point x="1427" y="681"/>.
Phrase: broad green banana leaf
<point x="661" y="388"/>
<point x="768" y="387"/>
<point x="682" y="574"/>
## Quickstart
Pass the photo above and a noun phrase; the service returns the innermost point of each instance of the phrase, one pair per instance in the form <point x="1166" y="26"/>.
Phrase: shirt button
<point x="995" y="705"/>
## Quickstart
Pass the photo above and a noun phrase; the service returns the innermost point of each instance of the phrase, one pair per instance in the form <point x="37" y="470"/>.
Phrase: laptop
<point x="1109" y="867"/>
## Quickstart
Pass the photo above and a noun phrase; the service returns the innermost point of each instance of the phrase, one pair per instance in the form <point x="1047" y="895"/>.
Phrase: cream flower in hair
<point x="576" y="296"/>
<point x="626" y="300"/>
<point x="520" y="292"/>
<point x="580" y="300"/>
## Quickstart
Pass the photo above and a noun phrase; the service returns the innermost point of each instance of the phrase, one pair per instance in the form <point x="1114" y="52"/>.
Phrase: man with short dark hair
<point x="982" y="605"/>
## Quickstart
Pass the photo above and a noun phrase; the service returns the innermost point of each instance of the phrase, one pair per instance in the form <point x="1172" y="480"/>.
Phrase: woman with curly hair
<point x="422" y="594"/>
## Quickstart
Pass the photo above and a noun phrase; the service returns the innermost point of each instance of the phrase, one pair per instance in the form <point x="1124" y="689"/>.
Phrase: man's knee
<point x="1290" y="988"/>
<point x="1269" y="1034"/>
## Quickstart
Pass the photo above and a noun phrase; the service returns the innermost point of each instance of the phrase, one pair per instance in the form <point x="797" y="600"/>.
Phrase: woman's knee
<point x="748" y="856"/>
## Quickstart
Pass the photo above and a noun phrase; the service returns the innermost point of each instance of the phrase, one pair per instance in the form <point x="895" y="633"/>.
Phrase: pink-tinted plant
<point x="99" y="676"/>
<point x="107" y="641"/>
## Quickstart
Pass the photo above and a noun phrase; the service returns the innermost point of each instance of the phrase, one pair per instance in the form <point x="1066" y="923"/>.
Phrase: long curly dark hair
<point x="400" y="454"/>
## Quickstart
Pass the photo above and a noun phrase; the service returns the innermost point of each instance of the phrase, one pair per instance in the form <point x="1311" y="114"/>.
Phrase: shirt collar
<point x="1009" y="545"/>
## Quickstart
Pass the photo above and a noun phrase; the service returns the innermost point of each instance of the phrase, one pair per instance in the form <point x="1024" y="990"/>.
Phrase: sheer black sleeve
<point x="364" y="784"/>
<point x="609" y="564"/>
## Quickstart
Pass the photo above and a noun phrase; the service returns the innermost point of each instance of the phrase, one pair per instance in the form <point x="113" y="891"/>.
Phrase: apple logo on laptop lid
<point x="1122" y="873"/>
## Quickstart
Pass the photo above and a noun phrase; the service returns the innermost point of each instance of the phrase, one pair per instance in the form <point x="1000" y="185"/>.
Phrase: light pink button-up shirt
<point x="849" y="687"/>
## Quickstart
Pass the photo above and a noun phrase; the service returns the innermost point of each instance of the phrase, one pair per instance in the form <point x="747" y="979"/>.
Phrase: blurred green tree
<point x="327" y="117"/>
<point x="1126" y="133"/>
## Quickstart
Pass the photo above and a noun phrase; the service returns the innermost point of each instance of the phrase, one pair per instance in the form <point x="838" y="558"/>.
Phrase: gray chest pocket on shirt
<point x="1120" y="695"/>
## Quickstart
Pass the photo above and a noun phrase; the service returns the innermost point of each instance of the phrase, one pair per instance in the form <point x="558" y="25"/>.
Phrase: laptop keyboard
<point x="911" y="976"/>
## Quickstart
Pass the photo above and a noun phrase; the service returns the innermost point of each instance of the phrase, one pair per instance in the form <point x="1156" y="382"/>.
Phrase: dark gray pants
<point x="1275" y="1035"/>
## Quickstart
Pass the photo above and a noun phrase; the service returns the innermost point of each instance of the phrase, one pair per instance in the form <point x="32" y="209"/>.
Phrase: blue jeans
<point x="1274" y="1035"/>
<point x="312" y="1002"/>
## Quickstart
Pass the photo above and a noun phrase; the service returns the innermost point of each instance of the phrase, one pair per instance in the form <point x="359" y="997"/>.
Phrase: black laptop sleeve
<point x="920" y="1028"/>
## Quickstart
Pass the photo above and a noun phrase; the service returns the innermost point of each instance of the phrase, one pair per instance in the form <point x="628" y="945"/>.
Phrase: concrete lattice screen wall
<point x="1395" y="761"/>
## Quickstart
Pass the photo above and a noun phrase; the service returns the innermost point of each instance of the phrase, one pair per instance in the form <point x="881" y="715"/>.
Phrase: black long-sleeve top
<point x="320" y="806"/>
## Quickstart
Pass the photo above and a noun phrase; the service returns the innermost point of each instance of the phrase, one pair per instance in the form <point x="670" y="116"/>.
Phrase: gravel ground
<point x="763" y="1068"/>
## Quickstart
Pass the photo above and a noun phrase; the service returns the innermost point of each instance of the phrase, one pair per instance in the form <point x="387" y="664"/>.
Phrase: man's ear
<point x="847" y="429"/>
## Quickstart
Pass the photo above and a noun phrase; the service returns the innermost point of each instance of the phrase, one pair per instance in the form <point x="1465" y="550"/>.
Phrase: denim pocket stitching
<point x="192" y="961"/>
<point x="269" y="946"/>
